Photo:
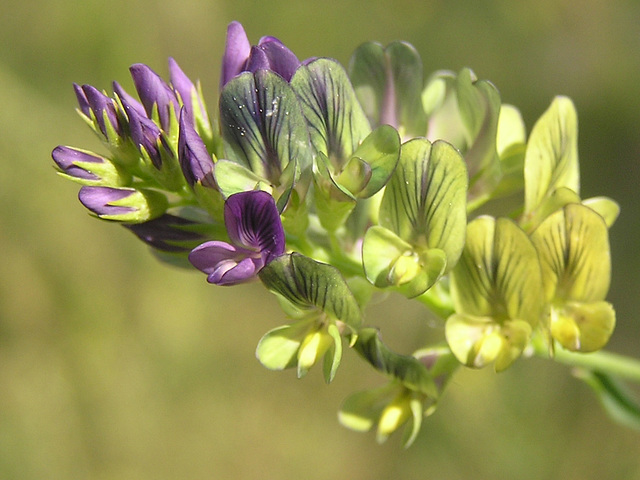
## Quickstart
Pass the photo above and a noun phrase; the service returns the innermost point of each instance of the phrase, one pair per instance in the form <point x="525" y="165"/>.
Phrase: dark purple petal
<point x="99" y="103"/>
<point x="195" y="159"/>
<point x="127" y="99"/>
<point x="168" y="233"/>
<point x="236" y="52"/>
<point x="66" y="158"/>
<point x="184" y="86"/>
<point x="153" y="90"/>
<point x="225" y="264"/>
<point x="99" y="199"/>
<point x="279" y="58"/>
<point x="144" y="133"/>
<point x="253" y="222"/>
<point x="82" y="100"/>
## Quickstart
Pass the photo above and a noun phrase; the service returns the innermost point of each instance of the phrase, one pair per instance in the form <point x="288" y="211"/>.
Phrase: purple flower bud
<point x="103" y="200"/>
<point x="98" y="103"/>
<point x="195" y="159"/>
<point x="256" y="234"/>
<point x="185" y="88"/>
<point x="167" y="233"/>
<point x="83" y="103"/>
<point x="127" y="99"/>
<point x="69" y="160"/>
<point x="123" y="204"/>
<point x="269" y="54"/>
<point x="236" y="52"/>
<point x="144" y="133"/>
<point x="152" y="90"/>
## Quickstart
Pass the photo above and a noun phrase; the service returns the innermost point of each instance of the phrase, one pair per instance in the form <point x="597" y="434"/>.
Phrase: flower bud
<point x="87" y="168"/>
<point x="123" y="204"/>
<point x="155" y="94"/>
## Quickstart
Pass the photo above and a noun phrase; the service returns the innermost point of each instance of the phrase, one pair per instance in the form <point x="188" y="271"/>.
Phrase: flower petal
<point x="253" y="222"/>
<point x="236" y="52"/>
<point x="225" y="264"/>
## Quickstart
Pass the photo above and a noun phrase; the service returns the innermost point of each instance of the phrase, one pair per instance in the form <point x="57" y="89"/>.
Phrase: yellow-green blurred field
<point x="113" y="366"/>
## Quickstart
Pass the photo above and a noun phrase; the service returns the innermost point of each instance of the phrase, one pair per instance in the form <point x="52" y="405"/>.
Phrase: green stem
<point x="604" y="362"/>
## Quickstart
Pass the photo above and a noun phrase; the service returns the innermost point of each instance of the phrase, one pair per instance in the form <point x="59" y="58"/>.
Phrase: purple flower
<point x="123" y="204"/>
<point x="144" y="132"/>
<point x="269" y="54"/>
<point x="154" y="92"/>
<point x="257" y="237"/>
<point x="186" y="89"/>
<point x="168" y="233"/>
<point x="195" y="159"/>
<point x="69" y="160"/>
<point x="88" y="168"/>
<point x="90" y="99"/>
<point x="106" y="201"/>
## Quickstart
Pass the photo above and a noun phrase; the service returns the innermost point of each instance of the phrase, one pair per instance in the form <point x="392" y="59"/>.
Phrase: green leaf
<point x="310" y="285"/>
<point x="407" y="369"/>
<point x="337" y="123"/>
<point x="278" y="348"/>
<point x="616" y="399"/>
<point x="262" y="125"/>
<point x="498" y="274"/>
<point x="424" y="203"/>
<point x="388" y="82"/>
<point x="551" y="161"/>
<point x="573" y="245"/>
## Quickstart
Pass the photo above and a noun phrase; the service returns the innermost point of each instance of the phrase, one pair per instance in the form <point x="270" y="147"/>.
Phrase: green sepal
<point x="424" y="203"/>
<point x="312" y="286"/>
<point x="573" y="245"/>
<point x="388" y="82"/>
<point x="232" y="177"/>
<point x="551" y="161"/>
<point x="389" y="261"/>
<point x="582" y="327"/>
<point x="337" y="123"/>
<point x="144" y="204"/>
<point x="404" y="368"/>
<point x="263" y="127"/>
<point x="498" y="274"/>
<point x="617" y="400"/>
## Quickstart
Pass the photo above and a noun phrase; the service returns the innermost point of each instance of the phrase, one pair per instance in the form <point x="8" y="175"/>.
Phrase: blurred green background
<point x="113" y="366"/>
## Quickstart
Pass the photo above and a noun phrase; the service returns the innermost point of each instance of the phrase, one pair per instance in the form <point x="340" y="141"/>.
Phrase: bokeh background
<point x="113" y="366"/>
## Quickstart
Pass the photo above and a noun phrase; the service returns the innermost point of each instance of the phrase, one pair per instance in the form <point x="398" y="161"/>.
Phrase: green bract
<point x="422" y="219"/>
